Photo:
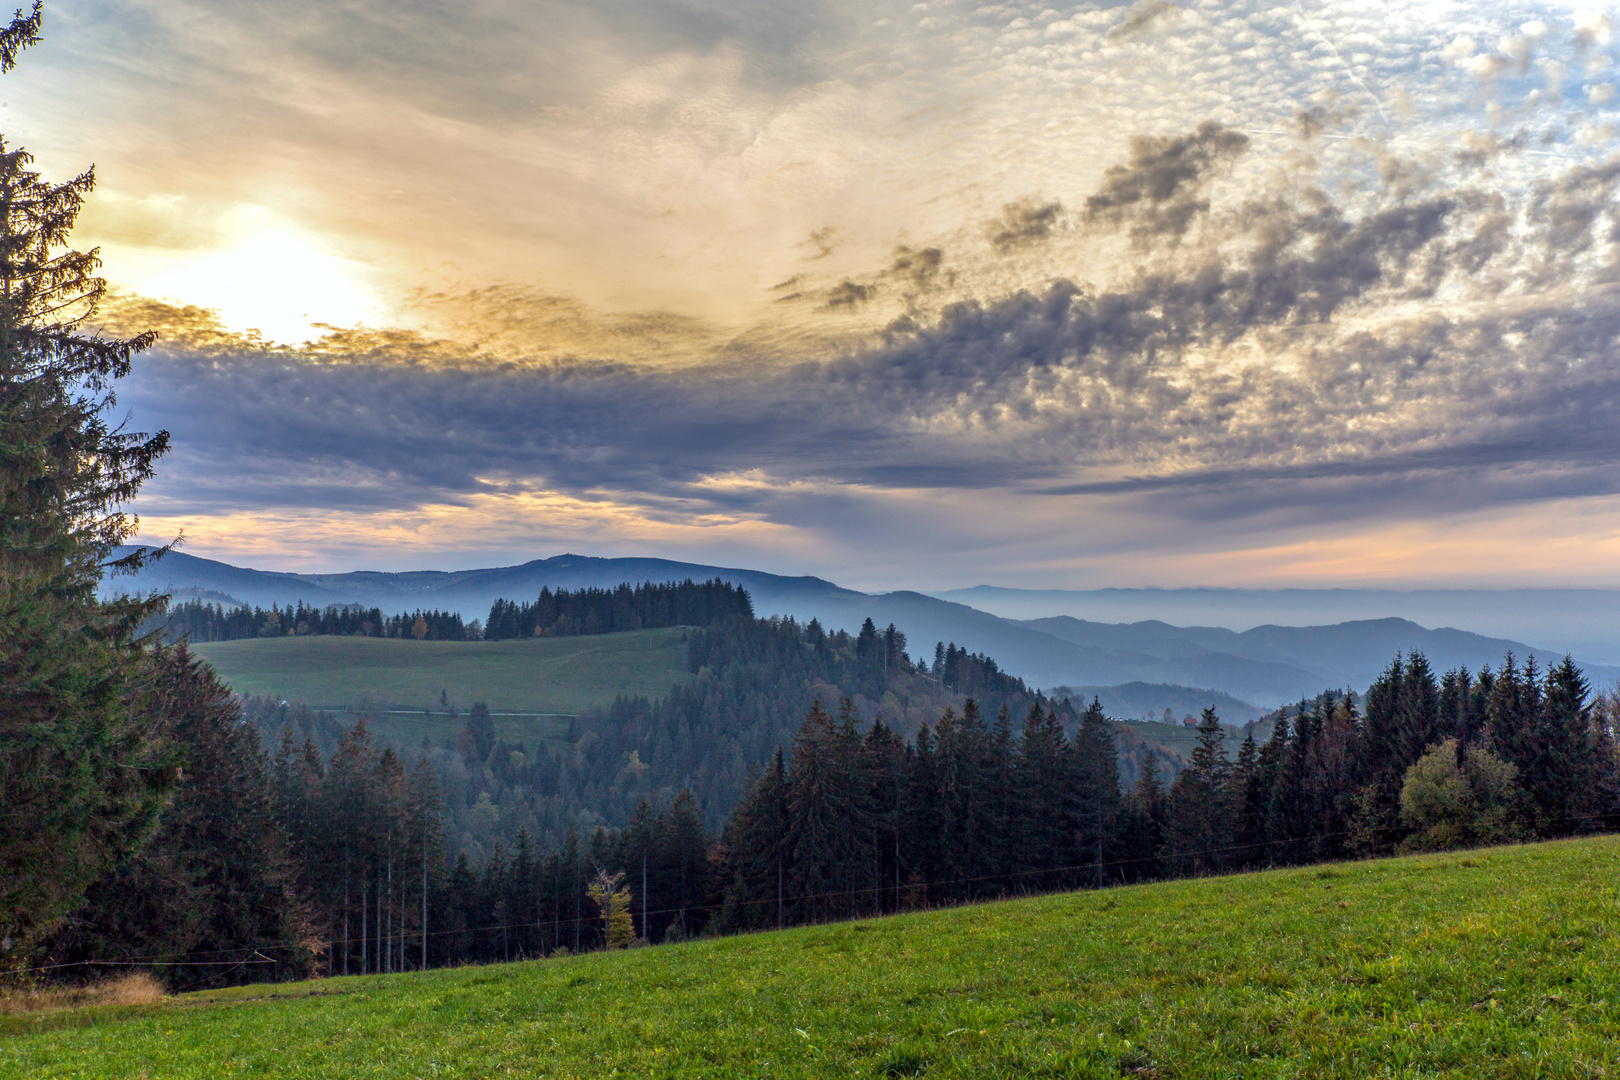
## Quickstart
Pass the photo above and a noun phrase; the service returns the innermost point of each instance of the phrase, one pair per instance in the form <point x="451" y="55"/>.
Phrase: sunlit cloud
<point x="912" y="293"/>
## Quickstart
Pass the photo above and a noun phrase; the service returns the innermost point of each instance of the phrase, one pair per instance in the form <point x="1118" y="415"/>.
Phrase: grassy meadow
<point x="530" y="676"/>
<point x="1495" y="963"/>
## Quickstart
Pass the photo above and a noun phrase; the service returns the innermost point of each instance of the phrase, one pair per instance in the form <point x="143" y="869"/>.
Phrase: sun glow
<point x="260" y="274"/>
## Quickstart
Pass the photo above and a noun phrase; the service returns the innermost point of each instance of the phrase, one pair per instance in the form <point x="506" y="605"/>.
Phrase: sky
<point x="903" y="295"/>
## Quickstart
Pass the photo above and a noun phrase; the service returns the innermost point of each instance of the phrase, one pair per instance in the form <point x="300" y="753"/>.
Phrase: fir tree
<point x="83" y="765"/>
<point x="1145" y="815"/>
<point x="214" y="884"/>
<point x="684" y="862"/>
<point x="1046" y="794"/>
<point x="820" y="813"/>
<point x="1249" y="830"/>
<point x="1200" y="810"/>
<point x="1096" y="789"/>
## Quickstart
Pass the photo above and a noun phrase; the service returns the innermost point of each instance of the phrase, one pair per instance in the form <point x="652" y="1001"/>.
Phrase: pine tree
<point x="818" y="812"/>
<point x="922" y="846"/>
<point x="83" y="766"/>
<point x="637" y="856"/>
<point x="886" y="756"/>
<point x="481" y="726"/>
<point x="757" y="851"/>
<point x="1334" y="772"/>
<point x="1562" y="776"/>
<point x="1001" y="821"/>
<point x="1249" y="831"/>
<point x="423" y="840"/>
<point x="968" y="833"/>
<point x="1402" y="721"/>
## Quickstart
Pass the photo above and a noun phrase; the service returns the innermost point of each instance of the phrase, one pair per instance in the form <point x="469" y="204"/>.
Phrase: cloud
<point x="918" y="268"/>
<point x="1142" y="16"/>
<point x="1024" y="223"/>
<point x="1159" y="189"/>
<point x="635" y="251"/>
<point x="1302" y="358"/>
<point x="849" y="294"/>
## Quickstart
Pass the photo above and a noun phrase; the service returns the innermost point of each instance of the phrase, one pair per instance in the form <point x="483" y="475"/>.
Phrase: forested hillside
<point x="566" y="613"/>
<point x="753" y="681"/>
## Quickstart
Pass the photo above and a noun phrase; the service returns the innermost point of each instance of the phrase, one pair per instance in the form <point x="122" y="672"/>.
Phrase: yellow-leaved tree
<point x="612" y="899"/>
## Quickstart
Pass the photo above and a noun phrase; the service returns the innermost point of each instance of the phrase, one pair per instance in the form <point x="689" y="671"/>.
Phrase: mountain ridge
<point x="1266" y="666"/>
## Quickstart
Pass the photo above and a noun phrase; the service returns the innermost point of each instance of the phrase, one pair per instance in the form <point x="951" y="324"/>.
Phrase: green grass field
<point x="538" y="675"/>
<point x="1496" y="963"/>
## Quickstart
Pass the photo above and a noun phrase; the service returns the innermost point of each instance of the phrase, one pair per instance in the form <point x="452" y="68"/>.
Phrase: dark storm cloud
<point x="1360" y="394"/>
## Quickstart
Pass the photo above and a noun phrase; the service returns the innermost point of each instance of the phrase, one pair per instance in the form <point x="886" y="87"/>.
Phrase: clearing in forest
<point x="531" y="675"/>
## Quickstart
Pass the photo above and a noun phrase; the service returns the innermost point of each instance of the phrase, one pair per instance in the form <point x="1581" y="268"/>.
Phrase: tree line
<point x="202" y="621"/>
<point x="854" y="820"/>
<point x="563" y="613"/>
<point x="568" y="613"/>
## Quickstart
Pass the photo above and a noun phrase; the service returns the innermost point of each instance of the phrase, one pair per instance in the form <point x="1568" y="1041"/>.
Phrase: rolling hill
<point x="1492" y="963"/>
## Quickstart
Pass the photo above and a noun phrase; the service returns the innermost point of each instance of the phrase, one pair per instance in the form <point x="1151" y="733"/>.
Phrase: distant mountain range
<point x="1261" y="667"/>
<point x="1585" y="622"/>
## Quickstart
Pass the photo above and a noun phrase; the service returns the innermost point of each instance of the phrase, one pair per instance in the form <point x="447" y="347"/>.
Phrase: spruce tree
<point x="1096" y="788"/>
<point x="886" y="758"/>
<point x="83" y="765"/>
<point x="1200" y="811"/>
<point x="1046" y="793"/>
<point x="424" y="844"/>
<point x="998" y="794"/>
<point x="818" y="815"/>
<point x="1145" y="814"/>
<point x="1250" y="799"/>
<point x="757" y="851"/>
<point x="1402" y="722"/>
<point x="684" y="862"/>
<point x="1562" y="774"/>
<point x="924" y="816"/>
<point x="214" y="883"/>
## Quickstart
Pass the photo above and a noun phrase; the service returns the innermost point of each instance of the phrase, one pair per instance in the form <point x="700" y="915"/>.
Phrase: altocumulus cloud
<point x="1416" y="346"/>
